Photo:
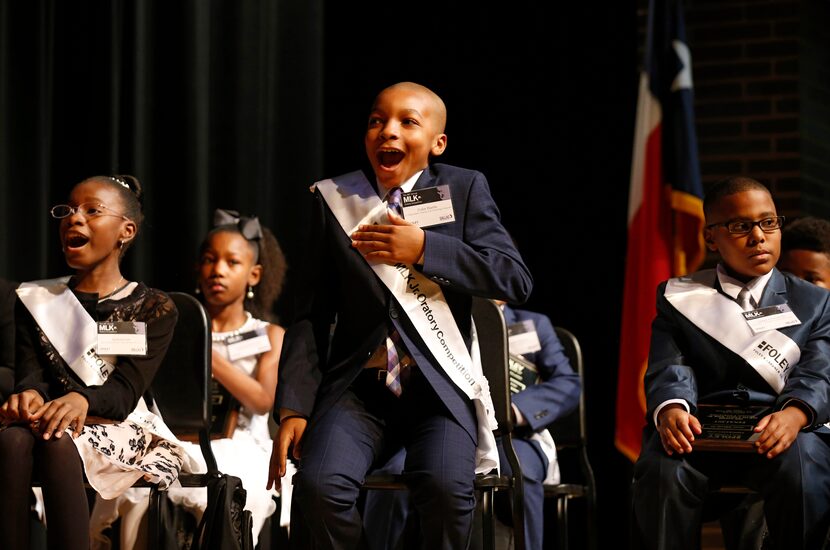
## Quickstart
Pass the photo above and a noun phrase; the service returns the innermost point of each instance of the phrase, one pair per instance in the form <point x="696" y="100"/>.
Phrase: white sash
<point x="74" y="334"/>
<point x="354" y="202"/>
<point x="771" y="353"/>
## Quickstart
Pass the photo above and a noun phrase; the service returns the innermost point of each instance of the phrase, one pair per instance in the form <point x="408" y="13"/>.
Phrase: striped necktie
<point x="393" y="363"/>
<point x="393" y="201"/>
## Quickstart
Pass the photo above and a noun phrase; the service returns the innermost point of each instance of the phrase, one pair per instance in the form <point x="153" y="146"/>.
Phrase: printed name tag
<point x="248" y="343"/>
<point x="522" y="338"/>
<point x="428" y="207"/>
<point x="122" y="338"/>
<point x="770" y="318"/>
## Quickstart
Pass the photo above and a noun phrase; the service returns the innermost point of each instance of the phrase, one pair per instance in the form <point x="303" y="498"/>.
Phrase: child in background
<point x="67" y="372"/>
<point x="240" y="274"/>
<point x="805" y="250"/>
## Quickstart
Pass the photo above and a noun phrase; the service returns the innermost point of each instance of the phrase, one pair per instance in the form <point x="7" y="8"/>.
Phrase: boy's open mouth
<point x="388" y="158"/>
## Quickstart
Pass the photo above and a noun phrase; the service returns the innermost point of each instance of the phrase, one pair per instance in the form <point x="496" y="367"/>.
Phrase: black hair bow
<point x="249" y="227"/>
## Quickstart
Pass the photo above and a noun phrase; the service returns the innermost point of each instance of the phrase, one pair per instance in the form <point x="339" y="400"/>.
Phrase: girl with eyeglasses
<point x="87" y="348"/>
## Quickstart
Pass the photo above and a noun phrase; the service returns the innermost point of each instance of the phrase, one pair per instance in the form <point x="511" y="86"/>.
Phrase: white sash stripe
<point x="771" y="353"/>
<point x="353" y="202"/>
<point x="74" y="334"/>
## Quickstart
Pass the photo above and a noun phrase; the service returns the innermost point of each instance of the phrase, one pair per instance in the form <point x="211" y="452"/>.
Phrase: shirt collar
<point x="406" y="186"/>
<point x="732" y="287"/>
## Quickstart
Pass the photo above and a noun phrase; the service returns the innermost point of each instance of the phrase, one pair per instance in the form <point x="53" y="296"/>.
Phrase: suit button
<point x="393" y="313"/>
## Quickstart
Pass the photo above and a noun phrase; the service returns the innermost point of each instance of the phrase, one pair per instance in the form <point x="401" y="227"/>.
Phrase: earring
<point x="198" y="289"/>
<point x="120" y="244"/>
<point x="250" y="293"/>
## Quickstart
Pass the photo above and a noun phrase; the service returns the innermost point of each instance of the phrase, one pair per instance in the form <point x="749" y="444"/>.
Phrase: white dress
<point x="245" y="455"/>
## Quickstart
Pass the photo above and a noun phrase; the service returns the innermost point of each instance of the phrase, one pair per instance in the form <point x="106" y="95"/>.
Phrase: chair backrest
<point x="569" y="431"/>
<point x="181" y="387"/>
<point x="492" y="341"/>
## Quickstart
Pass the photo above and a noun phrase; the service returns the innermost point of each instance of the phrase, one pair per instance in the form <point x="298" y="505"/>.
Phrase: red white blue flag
<point x="665" y="209"/>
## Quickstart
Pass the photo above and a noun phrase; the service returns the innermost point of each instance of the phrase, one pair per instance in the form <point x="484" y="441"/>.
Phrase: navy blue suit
<point x="686" y="363"/>
<point x="354" y="420"/>
<point x="556" y="395"/>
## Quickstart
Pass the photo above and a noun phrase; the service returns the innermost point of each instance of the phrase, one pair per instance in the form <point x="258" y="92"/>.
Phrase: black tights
<point x="58" y="466"/>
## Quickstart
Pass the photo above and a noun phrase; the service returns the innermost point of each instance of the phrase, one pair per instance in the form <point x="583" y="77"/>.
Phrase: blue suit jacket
<point x="686" y="363"/>
<point x="473" y="255"/>
<point x="558" y="392"/>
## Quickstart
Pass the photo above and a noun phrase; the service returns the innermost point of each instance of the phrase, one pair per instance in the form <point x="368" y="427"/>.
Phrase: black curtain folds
<point x="210" y="104"/>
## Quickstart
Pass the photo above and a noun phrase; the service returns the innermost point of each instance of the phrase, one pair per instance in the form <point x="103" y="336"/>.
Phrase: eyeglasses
<point x="744" y="227"/>
<point x="87" y="210"/>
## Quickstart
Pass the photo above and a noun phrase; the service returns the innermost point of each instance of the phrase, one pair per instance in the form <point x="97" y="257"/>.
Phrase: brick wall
<point x="760" y="67"/>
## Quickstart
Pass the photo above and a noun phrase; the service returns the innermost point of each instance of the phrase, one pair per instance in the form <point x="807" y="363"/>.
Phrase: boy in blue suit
<point x="535" y="407"/>
<point x="705" y="350"/>
<point x="378" y="358"/>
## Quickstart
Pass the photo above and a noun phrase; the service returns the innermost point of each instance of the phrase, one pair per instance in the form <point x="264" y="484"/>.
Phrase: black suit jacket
<point x="7" y="300"/>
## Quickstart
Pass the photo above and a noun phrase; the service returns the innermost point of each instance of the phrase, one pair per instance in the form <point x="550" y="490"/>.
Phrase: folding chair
<point x="570" y="436"/>
<point x="492" y="339"/>
<point x="181" y="389"/>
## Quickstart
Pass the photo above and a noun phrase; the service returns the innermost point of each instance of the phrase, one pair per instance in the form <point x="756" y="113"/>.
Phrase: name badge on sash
<point x="770" y="318"/>
<point x="522" y="338"/>
<point x="428" y="207"/>
<point x="248" y="343"/>
<point x="122" y="338"/>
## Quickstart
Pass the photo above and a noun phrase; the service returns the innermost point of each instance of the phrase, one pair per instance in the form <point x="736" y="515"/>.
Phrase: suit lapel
<point x="776" y="291"/>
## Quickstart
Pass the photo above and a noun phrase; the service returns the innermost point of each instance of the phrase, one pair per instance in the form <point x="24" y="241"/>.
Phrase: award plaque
<point x="729" y="428"/>
<point x="522" y="373"/>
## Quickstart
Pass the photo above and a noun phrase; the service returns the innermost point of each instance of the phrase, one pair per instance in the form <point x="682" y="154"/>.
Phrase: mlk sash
<point x="354" y="202"/>
<point x="73" y="334"/>
<point x="771" y="353"/>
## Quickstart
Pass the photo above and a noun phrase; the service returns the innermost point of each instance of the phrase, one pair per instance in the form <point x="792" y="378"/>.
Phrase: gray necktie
<point x="745" y="299"/>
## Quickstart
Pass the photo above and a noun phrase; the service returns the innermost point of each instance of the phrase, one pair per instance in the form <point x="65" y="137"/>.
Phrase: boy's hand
<point x="779" y="430"/>
<point x="291" y="431"/>
<point x="400" y="241"/>
<point x="677" y="429"/>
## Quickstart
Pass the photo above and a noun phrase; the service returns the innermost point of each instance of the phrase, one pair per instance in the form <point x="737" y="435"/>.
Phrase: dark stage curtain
<point x="210" y="104"/>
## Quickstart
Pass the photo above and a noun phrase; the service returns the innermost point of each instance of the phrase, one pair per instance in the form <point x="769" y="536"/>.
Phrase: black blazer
<point x="7" y="300"/>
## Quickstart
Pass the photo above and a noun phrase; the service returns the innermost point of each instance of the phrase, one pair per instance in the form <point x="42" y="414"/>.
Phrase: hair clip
<point x="120" y="181"/>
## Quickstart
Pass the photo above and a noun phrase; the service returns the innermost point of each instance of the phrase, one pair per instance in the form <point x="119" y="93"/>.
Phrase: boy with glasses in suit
<point x="741" y="334"/>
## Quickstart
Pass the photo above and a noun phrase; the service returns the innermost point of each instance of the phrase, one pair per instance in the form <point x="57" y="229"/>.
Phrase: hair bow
<point x="249" y="227"/>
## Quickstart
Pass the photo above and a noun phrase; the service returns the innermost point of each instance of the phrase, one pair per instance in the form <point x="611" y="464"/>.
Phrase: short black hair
<point x="730" y="186"/>
<point x="807" y="233"/>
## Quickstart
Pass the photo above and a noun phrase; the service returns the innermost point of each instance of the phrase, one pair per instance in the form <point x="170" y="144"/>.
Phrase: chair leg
<point x="154" y="518"/>
<point x="488" y="522"/>
<point x="562" y="516"/>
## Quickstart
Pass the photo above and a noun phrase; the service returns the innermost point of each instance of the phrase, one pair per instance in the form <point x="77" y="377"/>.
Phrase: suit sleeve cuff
<point x="520" y="419"/>
<point x="662" y="405"/>
<point x="805" y="408"/>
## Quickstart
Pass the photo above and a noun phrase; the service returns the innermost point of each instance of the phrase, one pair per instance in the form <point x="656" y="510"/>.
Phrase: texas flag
<point x="665" y="208"/>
